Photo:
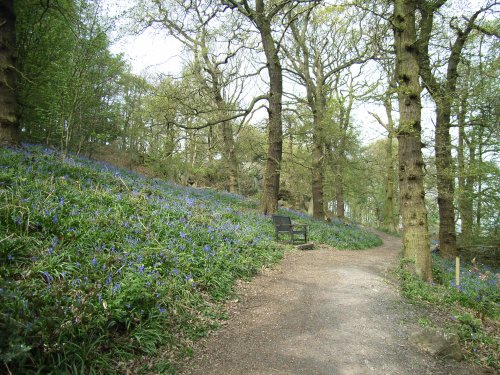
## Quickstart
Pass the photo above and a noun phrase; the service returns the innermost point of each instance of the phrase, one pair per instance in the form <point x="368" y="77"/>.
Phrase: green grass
<point x="100" y="266"/>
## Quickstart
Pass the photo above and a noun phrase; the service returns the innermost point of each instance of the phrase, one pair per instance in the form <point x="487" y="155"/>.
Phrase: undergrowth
<point x="100" y="266"/>
<point x="473" y="307"/>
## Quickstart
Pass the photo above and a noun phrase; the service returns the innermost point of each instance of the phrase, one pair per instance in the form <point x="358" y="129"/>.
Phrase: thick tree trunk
<point x="445" y="186"/>
<point x="9" y="126"/>
<point x="269" y="201"/>
<point x="415" y="232"/>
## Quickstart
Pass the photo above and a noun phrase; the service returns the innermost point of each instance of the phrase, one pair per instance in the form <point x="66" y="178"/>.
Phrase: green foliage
<point x="68" y="77"/>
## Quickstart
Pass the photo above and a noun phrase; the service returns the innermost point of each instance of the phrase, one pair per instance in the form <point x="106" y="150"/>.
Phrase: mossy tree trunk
<point x="411" y="184"/>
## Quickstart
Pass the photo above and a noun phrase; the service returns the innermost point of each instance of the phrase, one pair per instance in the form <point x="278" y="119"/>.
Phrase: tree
<point x="69" y="78"/>
<point x="263" y="15"/>
<point x="321" y="48"/>
<point x="443" y="92"/>
<point x="477" y="117"/>
<point x="9" y="126"/>
<point x="196" y="26"/>
<point x="411" y="188"/>
<point x="389" y="218"/>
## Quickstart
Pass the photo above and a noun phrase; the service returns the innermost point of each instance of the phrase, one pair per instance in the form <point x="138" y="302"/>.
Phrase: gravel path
<point x="321" y="311"/>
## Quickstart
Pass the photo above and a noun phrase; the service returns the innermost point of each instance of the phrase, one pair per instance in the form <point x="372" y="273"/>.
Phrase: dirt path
<point x="321" y="312"/>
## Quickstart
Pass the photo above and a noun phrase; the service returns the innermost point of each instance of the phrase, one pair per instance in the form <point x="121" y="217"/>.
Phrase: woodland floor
<point x="322" y="311"/>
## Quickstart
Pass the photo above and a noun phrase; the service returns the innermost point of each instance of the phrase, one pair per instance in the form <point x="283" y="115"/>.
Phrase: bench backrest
<point x="282" y="222"/>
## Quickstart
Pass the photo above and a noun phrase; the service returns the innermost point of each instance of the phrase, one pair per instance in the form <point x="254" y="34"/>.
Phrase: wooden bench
<point x="295" y="232"/>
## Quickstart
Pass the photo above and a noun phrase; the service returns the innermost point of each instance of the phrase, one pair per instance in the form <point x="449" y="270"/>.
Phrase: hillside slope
<point x="99" y="265"/>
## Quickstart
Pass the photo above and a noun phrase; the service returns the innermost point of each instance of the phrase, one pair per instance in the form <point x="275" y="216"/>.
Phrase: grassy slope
<point x="99" y="265"/>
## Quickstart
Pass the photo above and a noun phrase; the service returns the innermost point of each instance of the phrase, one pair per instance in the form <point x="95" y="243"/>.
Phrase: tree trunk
<point x="445" y="186"/>
<point x="269" y="201"/>
<point x="9" y="126"/>
<point x="318" y="164"/>
<point x="339" y="194"/>
<point x="388" y="215"/>
<point x="230" y="155"/>
<point x="465" y="179"/>
<point x="415" y="232"/>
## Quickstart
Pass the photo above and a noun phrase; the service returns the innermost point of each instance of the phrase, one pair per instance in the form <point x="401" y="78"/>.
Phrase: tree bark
<point x="317" y="179"/>
<point x="339" y="194"/>
<point x="445" y="184"/>
<point x="317" y="101"/>
<point x="465" y="179"/>
<point x="269" y="200"/>
<point x="9" y="125"/>
<point x="388" y="215"/>
<point x="230" y="154"/>
<point x="415" y="232"/>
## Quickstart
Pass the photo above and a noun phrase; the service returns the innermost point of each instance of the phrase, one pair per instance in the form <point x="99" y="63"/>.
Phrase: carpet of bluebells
<point x="479" y="285"/>
<point x="99" y="266"/>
